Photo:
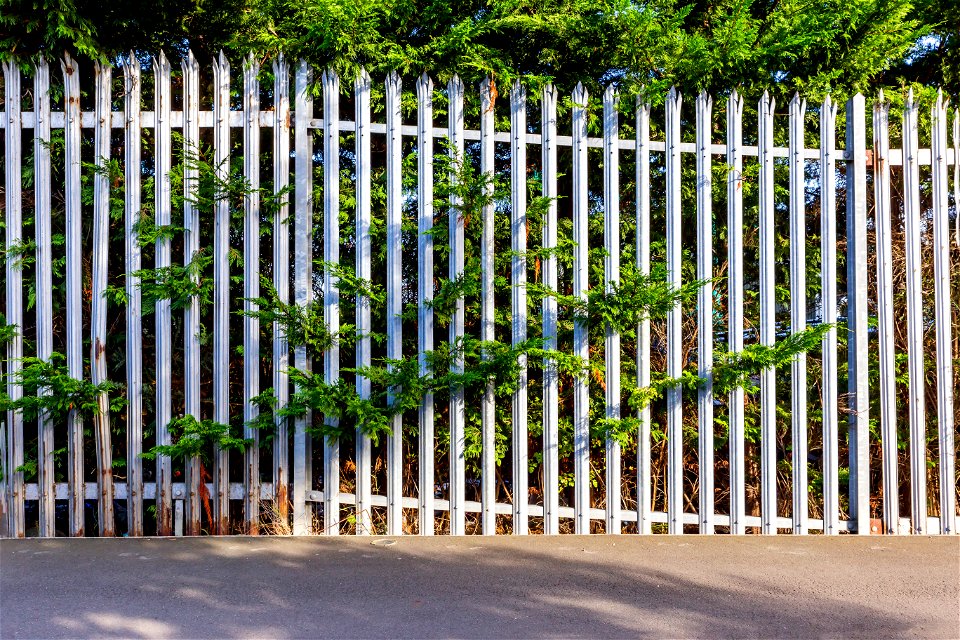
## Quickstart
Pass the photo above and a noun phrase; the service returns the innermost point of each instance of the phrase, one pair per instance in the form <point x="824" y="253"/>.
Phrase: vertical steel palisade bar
<point x="457" y="476"/>
<point x="44" y="304"/>
<point x="551" y="398"/>
<point x="488" y="494"/>
<point x="13" y="219"/>
<point x="133" y="309"/>
<point x="281" y="283"/>
<point x="425" y="277"/>
<point x="735" y="300"/>
<point x="363" y="270"/>
<point x="302" y="285"/>
<point x="798" y="314"/>
<point x="885" y="326"/>
<point x="394" y="297"/>
<point x="915" y="365"/>
<point x="581" y="333"/>
<point x="644" y="464"/>
<point x="674" y="325"/>
<point x="956" y="169"/>
<point x="705" y="436"/>
<point x="857" y="322"/>
<point x="103" y="76"/>
<point x="331" y="292"/>
<point x="828" y="285"/>
<point x="221" y="292"/>
<point x="611" y="276"/>
<point x="162" y="318"/>
<point x="946" y="409"/>
<point x="251" y="291"/>
<point x="518" y="300"/>
<point x="73" y="301"/>
<point x="191" y="251"/>
<point x="768" y="396"/>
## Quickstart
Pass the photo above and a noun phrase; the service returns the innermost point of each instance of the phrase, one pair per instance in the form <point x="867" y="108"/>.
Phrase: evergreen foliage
<point x="837" y="45"/>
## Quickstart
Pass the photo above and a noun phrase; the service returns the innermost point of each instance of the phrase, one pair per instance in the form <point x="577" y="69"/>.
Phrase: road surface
<point x="569" y="586"/>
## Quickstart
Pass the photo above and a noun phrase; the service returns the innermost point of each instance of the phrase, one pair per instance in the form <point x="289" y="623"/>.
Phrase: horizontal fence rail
<point x="418" y="236"/>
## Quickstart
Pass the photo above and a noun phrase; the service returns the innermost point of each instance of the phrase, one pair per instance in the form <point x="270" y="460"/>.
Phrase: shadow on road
<point x="471" y="587"/>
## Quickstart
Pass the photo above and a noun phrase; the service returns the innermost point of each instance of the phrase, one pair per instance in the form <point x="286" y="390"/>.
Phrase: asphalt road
<point x="626" y="586"/>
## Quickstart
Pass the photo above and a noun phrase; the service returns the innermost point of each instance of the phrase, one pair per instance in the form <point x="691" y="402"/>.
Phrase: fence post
<point x="942" y="312"/>
<point x="551" y="398"/>
<point x="74" y="283"/>
<point x="518" y="299"/>
<point x="14" y="293"/>
<point x="581" y="331"/>
<point x="331" y="294"/>
<point x="884" y="229"/>
<point x="704" y="107"/>
<point x="857" y="344"/>
<point x="44" y="232"/>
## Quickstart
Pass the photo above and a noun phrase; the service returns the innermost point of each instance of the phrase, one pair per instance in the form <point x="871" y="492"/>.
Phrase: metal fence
<point x="870" y="323"/>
